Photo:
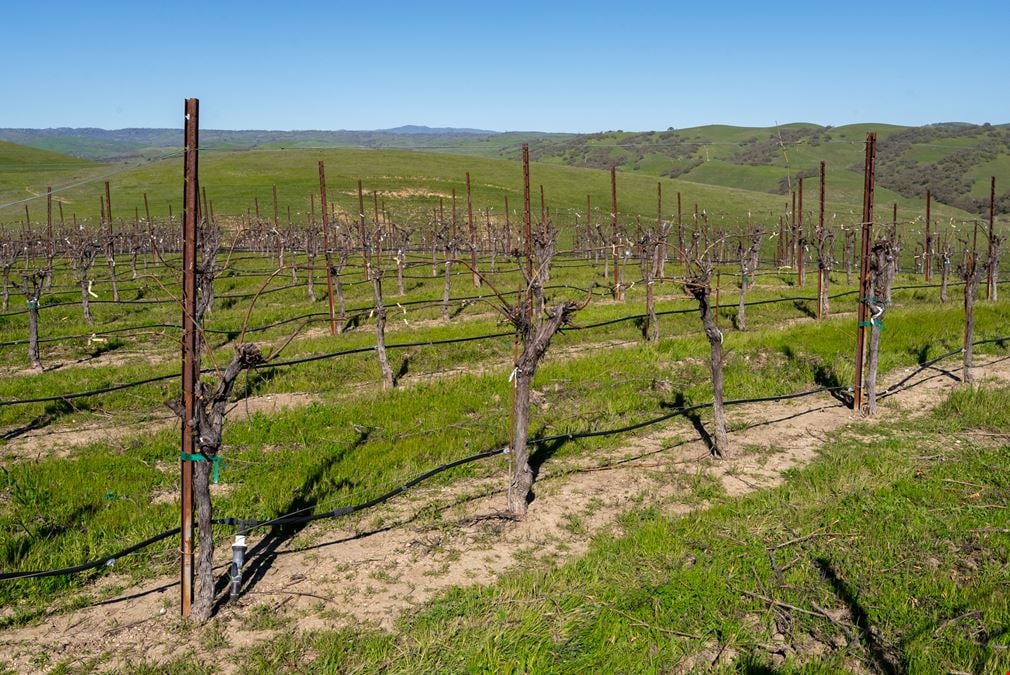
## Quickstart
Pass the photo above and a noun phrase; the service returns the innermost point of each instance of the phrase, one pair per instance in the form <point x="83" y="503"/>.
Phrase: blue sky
<point x="507" y="66"/>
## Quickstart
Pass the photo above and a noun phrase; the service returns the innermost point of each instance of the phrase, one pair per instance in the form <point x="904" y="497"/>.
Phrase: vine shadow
<point x="885" y="661"/>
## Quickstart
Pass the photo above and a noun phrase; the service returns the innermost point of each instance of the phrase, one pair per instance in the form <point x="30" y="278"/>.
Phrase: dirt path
<point x="400" y="555"/>
<point x="46" y="442"/>
<point x="62" y="440"/>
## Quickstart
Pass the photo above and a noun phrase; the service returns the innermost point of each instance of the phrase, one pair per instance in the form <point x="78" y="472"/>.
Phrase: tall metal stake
<point x="190" y="341"/>
<point x="473" y="234"/>
<point x="614" y="241"/>
<point x="990" y="278"/>
<point x="800" y="237"/>
<point x="364" y="232"/>
<point x="869" y="180"/>
<point x="326" y="246"/>
<point x="820" y="233"/>
<point x="527" y="233"/>
<point x="49" y="221"/>
<point x="927" y="262"/>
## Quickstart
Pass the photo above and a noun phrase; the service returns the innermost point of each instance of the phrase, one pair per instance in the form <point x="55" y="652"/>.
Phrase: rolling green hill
<point x="14" y="157"/>
<point x="410" y="183"/>
<point x="130" y="144"/>
<point x="955" y="161"/>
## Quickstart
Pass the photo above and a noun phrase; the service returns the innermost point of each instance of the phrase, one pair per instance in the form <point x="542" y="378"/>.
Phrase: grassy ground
<point x="410" y="184"/>
<point x="888" y="554"/>
<point x="355" y="440"/>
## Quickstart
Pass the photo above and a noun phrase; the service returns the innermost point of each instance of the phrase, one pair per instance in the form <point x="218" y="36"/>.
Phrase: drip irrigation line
<point x="91" y="392"/>
<point x="355" y="313"/>
<point x="155" y="301"/>
<point x="80" y="336"/>
<point x="677" y="412"/>
<point x="292" y="518"/>
<point x="246" y="525"/>
<point x="107" y="561"/>
<point x="399" y="345"/>
<point x="287" y="519"/>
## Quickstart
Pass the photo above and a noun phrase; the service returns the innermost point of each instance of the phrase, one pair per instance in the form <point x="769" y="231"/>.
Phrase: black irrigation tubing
<point x="399" y="345"/>
<point x="287" y="519"/>
<point x="107" y="561"/>
<point x="246" y="525"/>
<point x="278" y="364"/>
<point x="405" y="345"/>
<point x="293" y="519"/>
<point x="161" y="301"/>
<point x="896" y="387"/>
<point x="677" y="412"/>
<point x="311" y="316"/>
<point x="81" y="336"/>
<point x="92" y="392"/>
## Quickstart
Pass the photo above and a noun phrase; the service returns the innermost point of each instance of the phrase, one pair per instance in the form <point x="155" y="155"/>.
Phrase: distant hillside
<point x="15" y="157"/>
<point x="119" y="144"/>
<point x="955" y="161"/>
<point x="410" y="183"/>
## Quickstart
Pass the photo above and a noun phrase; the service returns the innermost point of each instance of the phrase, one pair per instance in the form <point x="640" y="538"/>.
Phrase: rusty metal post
<point x="527" y="226"/>
<point x="614" y="241"/>
<point x="718" y="291"/>
<point x="49" y="221"/>
<point x="990" y="289"/>
<point x="364" y="231"/>
<point x="508" y="227"/>
<point x="108" y="208"/>
<point x="473" y="234"/>
<point x="927" y="263"/>
<point x="377" y="224"/>
<point x="869" y="180"/>
<point x="820" y="233"/>
<point x="190" y="339"/>
<point x="800" y="241"/>
<point x="660" y="258"/>
<point x="453" y="233"/>
<point x="613" y="199"/>
<point x="326" y="246"/>
<point x="792" y="232"/>
<point x="150" y="228"/>
<point x="276" y="216"/>
<point x="680" y="231"/>
<point x="543" y="212"/>
<point x="111" y="247"/>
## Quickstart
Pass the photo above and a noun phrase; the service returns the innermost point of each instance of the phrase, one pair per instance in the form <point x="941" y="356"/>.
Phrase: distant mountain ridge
<point x="128" y="143"/>
<point x="953" y="160"/>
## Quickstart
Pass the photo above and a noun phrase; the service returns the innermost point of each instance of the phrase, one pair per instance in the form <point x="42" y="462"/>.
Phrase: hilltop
<point x="953" y="160"/>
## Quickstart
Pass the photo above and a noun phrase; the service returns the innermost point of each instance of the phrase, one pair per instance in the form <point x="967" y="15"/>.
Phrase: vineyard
<point x="475" y="408"/>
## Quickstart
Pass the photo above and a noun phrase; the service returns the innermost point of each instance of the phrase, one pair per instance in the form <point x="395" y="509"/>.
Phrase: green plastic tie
<point x="871" y="324"/>
<point x="215" y="460"/>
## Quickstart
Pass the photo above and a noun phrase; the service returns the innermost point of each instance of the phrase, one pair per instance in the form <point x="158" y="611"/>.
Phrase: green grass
<point x="15" y="157"/>
<point x="410" y="184"/>
<point x="353" y="443"/>
<point x="893" y="537"/>
<point x="234" y="179"/>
